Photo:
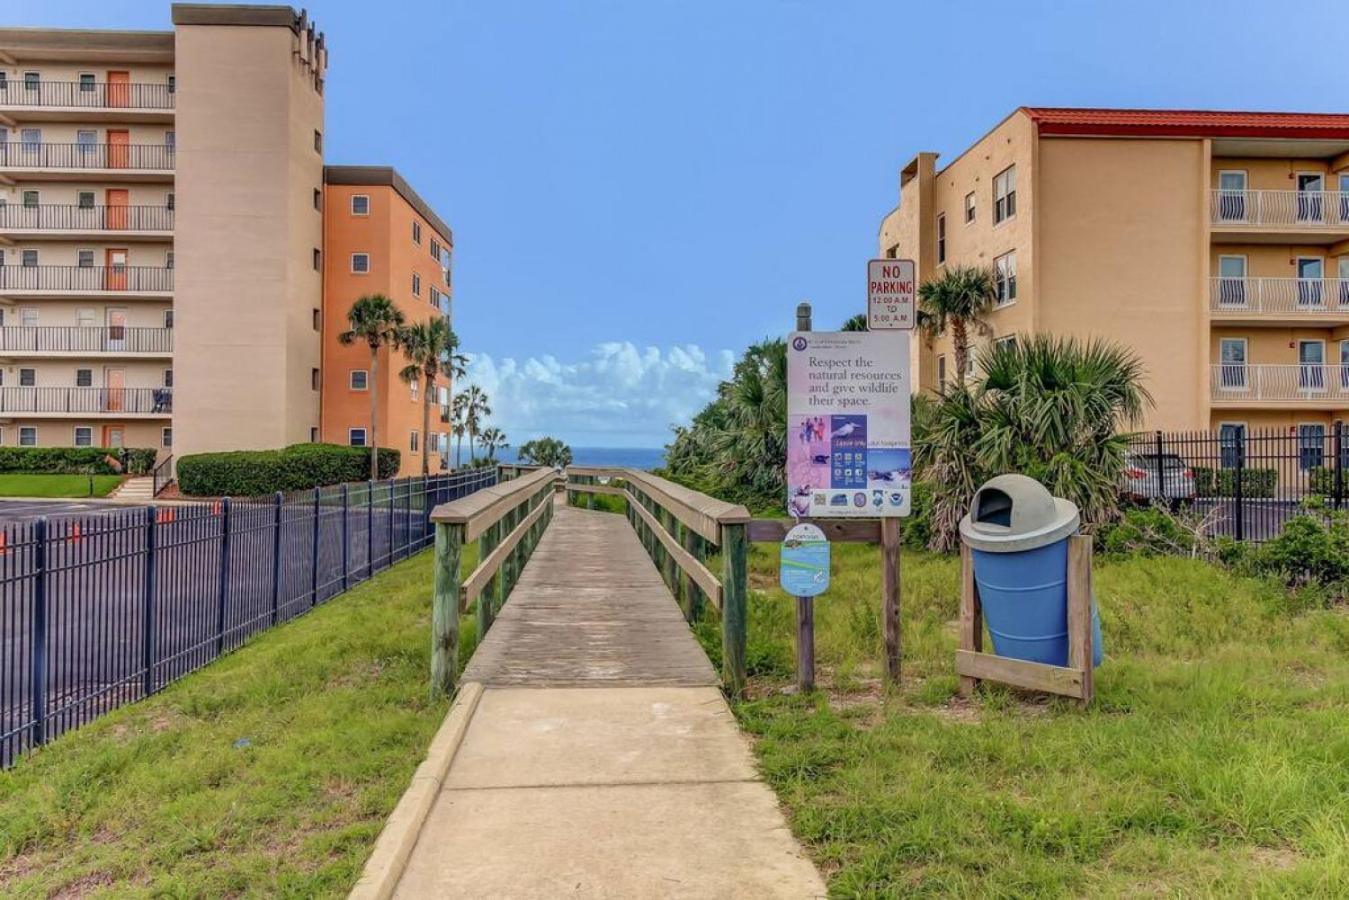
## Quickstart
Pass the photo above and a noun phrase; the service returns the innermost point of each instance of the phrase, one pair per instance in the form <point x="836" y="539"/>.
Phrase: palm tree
<point x="493" y="439"/>
<point x="375" y="320"/>
<point x="458" y="414"/>
<point x="426" y="345"/>
<point x="959" y="299"/>
<point x="476" y="410"/>
<point x="855" y="323"/>
<point x="546" y="451"/>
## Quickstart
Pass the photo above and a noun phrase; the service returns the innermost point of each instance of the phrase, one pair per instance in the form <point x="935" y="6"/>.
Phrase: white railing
<point x="1294" y="209"/>
<point x="1279" y="296"/>
<point x="1303" y="383"/>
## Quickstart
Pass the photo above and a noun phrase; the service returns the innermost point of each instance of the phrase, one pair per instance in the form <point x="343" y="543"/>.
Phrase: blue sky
<point x="640" y="189"/>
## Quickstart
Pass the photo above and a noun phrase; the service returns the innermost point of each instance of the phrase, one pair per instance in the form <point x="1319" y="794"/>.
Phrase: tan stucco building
<point x="162" y="234"/>
<point x="1214" y="244"/>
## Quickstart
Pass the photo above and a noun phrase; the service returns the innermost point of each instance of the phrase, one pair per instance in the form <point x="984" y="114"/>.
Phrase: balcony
<point x="31" y="160"/>
<point x="1279" y="301"/>
<point x="1314" y="216"/>
<point x="87" y="101"/>
<point x="123" y="282"/>
<point x="78" y="402"/>
<point x="67" y="221"/>
<point x="1306" y="385"/>
<point x="81" y="341"/>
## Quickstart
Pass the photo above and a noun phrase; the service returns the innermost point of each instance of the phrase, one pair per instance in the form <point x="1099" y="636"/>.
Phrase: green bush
<point x="73" y="460"/>
<point x="1150" y="531"/>
<point x="1321" y="480"/>
<point x="249" y="473"/>
<point x="1310" y="549"/>
<point x="917" y="528"/>
<point x="1255" y="483"/>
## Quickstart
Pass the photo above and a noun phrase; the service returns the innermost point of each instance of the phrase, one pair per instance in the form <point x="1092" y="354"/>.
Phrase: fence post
<point x="370" y="528"/>
<point x="445" y="609"/>
<point x="734" y="578"/>
<point x="346" y="535"/>
<point x="393" y="486"/>
<point x="224" y="575"/>
<point x="1161" y="471"/>
<point x="486" y="596"/>
<point x="1339" y="464"/>
<point x="277" y="499"/>
<point x="37" y="682"/>
<point x="314" y="556"/>
<point x="1238" y="471"/>
<point x="148" y="622"/>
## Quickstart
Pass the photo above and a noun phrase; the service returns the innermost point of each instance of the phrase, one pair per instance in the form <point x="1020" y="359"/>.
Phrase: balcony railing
<point x="68" y="217"/>
<point x="35" y="155"/>
<point x="87" y="95"/>
<point x="1284" y="209"/>
<point x="114" y="279"/>
<point x="1279" y="296"/>
<point x="84" y="339"/>
<point x="1304" y="383"/>
<point x="114" y="400"/>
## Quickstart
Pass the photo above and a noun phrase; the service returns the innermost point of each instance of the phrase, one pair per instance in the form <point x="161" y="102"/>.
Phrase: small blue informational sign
<point x="804" y="568"/>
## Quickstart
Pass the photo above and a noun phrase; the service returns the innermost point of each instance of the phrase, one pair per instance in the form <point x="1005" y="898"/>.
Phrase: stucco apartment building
<point x="163" y="222"/>
<point x="1214" y="244"/>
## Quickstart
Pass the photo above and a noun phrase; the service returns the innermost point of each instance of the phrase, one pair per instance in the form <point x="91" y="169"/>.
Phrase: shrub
<point x="1321" y="480"/>
<point x="246" y="473"/>
<point x="73" y="460"/>
<point x="1310" y="549"/>
<point x="1255" y="483"/>
<point x="918" y="526"/>
<point x="1154" y="531"/>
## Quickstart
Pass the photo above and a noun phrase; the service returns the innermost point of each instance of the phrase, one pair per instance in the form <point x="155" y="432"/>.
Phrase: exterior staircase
<point x="139" y="489"/>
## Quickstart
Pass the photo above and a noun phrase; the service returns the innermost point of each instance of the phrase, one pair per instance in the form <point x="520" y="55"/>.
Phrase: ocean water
<point x="618" y="457"/>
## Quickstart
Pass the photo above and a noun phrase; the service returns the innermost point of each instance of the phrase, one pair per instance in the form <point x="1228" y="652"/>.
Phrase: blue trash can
<point x="1018" y="534"/>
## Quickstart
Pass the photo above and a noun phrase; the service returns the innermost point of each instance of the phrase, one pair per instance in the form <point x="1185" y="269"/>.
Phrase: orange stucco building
<point x="381" y="238"/>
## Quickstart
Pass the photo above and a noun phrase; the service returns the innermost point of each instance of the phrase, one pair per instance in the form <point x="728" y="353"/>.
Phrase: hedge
<point x="250" y="473"/>
<point x="73" y="460"/>
<point x="1220" y="482"/>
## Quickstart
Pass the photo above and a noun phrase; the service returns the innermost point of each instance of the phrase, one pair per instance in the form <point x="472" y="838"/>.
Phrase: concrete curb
<point x="385" y="866"/>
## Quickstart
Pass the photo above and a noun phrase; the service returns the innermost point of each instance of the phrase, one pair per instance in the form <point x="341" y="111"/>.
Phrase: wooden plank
<point x="735" y="599"/>
<point x="486" y="569"/>
<point x="445" y="609"/>
<point x="771" y="531"/>
<point x="483" y="508"/>
<point x="687" y="561"/>
<point x="581" y="488"/>
<point x="700" y="512"/>
<point x="1079" y="611"/>
<point x="1020" y="673"/>
<point x="890" y="620"/>
<point x="594" y="471"/>
<point x="971" y="616"/>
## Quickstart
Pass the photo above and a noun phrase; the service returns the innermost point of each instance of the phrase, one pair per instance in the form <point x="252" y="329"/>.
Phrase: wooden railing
<point x="506" y="520"/>
<point x="680" y="528"/>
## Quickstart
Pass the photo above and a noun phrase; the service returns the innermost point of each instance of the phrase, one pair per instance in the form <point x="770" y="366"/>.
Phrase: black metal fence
<point x="147" y="401"/>
<point x="93" y="217"/>
<point x="1245" y="483"/>
<point x="154" y="279"/>
<point x="98" y="610"/>
<point x="25" y="154"/>
<point x="87" y="94"/>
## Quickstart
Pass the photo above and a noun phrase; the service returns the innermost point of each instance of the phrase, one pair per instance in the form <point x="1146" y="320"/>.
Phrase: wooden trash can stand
<point x="1073" y="680"/>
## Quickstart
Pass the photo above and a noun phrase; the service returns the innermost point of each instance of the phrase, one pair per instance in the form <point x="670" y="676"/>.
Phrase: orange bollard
<point x="215" y="508"/>
<point x="4" y="543"/>
<point x="75" y="533"/>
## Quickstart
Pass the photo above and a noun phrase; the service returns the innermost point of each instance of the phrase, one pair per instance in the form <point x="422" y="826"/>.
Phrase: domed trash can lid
<point x="1012" y="513"/>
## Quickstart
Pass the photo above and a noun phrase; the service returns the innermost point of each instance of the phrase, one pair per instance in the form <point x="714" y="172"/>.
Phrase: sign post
<point x="804" y="572"/>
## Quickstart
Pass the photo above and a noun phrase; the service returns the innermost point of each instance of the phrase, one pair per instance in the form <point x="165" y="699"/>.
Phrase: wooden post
<point x="805" y="644"/>
<point x="734" y="600"/>
<point x="485" y="611"/>
<point x="890" y="539"/>
<point x="693" y="543"/>
<point x="668" y="568"/>
<point x="1080" y="650"/>
<point x="590" y="495"/>
<point x="971" y="616"/>
<point x="445" y="609"/>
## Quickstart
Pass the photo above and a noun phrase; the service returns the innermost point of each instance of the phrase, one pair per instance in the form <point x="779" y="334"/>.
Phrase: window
<point x="31" y="138"/>
<point x="1004" y="278"/>
<point x="84" y="378"/>
<point x="172" y="81"/>
<point x="435" y="297"/>
<point x="416" y="285"/>
<point x="28" y="437"/>
<point x="27" y="377"/>
<point x="1004" y="195"/>
<point x="969" y="207"/>
<point x="170" y="139"/>
<point x="166" y="437"/>
<point x="356" y="437"/>
<point x="84" y="436"/>
<point x="84" y="259"/>
<point x="318" y="319"/>
<point x="1311" y="445"/>
<point x="941" y="238"/>
<point x="313" y="435"/>
<point x="1006" y="343"/>
<point x="168" y="318"/>
<point x="1311" y="358"/>
<point x="86" y="141"/>
<point x="892" y="252"/>
<point x="318" y="259"/>
<point x="413" y="442"/>
<point x="168" y="259"/>
<point x="1232" y="364"/>
<point x="941" y="372"/>
<point x="84" y="317"/>
<point x="4" y="80"/>
<point x="1309" y="272"/>
<point x="360" y="204"/>
<point x="318" y="199"/>
<point x="85" y="199"/>
<point x="86" y="82"/>
<point x="435" y="250"/>
<point x="1231" y="281"/>
<point x="1231" y="443"/>
<point x="314" y="381"/>
<point x="28" y="258"/>
<point x="318" y="141"/>
<point x="170" y="201"/>
<point x="31" y="81"/>
<point x="168" y="378"/>
<point x="360" y="263"/>
<point x="414" y="389"/>
<point x="28" y="317"/>
<point x="31" y="199"/>
<point x="416" y="232"/>
<point x="359" y="379"/>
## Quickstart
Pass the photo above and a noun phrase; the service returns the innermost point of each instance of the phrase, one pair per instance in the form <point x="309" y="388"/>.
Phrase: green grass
<point x="269" y="773"/>
<point x="1215" y="760"/>
<point x="56" y="485"/>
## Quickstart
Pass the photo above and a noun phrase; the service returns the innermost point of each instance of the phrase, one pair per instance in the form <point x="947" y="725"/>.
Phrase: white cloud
<point x="619" y="396"/>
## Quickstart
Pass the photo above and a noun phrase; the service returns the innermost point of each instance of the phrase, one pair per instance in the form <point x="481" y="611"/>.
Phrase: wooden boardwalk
<point x="599" y="758"/>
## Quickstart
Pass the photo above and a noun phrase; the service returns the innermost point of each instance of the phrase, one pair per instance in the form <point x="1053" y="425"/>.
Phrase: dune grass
<point x="1214" y="762"/>
<point x="18" y="485"/>
<point x="269" y="773"/>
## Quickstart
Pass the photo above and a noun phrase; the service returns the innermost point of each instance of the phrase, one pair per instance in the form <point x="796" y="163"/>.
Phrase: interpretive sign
<point x="803" y="568"/>
<point x="848" y="424"/>
<point x="890" y="294"/>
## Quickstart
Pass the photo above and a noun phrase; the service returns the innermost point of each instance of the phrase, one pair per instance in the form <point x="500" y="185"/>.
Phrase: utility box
<point x="1018" y="536"/>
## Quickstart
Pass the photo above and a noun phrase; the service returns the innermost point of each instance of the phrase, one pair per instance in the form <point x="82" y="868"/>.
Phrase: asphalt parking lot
<point x="26" y="510"/>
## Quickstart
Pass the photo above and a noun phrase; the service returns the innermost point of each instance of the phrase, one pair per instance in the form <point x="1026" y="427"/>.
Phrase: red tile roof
<point x="1188" y="123"/>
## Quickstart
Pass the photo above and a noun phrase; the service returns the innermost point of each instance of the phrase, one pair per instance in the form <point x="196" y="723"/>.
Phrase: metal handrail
<point x="1302" y="296"/>
<point x="162" y="474"/>
<point x="1303" y="382"/>
<point x="1300" y="209"/>
<point x="84" y="339"/>
<point x="88" y="94"/>
<point x="98" y="217"/>
<point x="86" y="278"/>
<point x="23" y="154"/>
<point x="120" y="401"/>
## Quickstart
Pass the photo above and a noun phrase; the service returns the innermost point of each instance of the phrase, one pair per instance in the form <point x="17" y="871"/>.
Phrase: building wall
<point x="245" y="285"/>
